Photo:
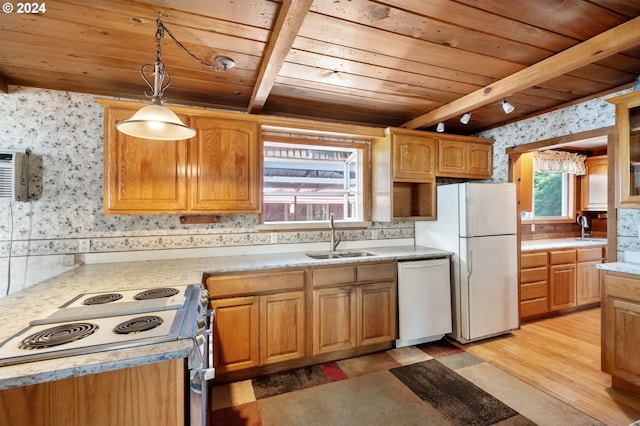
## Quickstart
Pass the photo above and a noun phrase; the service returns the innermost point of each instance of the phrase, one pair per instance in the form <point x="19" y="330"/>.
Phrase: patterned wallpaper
<point x="64" y="131"/>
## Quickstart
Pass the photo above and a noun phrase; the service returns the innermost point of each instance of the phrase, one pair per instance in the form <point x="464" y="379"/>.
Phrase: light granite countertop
<point x="553" y="243"/>
<point x="18" y="309"/>
<point x="628" y="268"/>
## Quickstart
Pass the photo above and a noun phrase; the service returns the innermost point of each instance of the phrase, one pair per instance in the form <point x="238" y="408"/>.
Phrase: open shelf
<point x="414" y="200"/>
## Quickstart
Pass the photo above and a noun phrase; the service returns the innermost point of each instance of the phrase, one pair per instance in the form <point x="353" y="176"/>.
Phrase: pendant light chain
<point x="162" y="28"/>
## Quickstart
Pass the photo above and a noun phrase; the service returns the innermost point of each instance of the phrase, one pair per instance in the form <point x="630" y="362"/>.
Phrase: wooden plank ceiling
<point x="409" y="63"/>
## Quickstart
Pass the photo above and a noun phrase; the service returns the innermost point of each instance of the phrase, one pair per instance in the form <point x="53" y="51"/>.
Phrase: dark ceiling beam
<point x="622" y="37"/>
<point x="290" y="18"/>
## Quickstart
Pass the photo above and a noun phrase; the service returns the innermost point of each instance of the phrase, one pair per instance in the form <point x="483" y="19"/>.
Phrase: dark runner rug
<point x="456" y="398"/>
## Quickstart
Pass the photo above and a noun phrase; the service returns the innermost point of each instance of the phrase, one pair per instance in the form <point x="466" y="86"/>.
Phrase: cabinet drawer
<point x="622" y="287"/>
<point x="532" y="260"/>
<point x="333" y="276"/>
<point x="376" y="272"/>
<point x="589" y="254"/>
<point x="533" y="307"/>
<point x="533" y="274"/>
<point x="562" y="257"/>
<point x="242" y="284"/>
<point x="533" y="290"/>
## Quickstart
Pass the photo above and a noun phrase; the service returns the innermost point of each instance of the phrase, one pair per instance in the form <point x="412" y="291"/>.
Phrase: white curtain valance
<point x="559" y="162"/>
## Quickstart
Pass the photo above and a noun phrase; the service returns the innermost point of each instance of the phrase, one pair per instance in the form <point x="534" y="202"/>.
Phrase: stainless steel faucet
<point x="584" y="224"/>
<point x="334" y="241"/>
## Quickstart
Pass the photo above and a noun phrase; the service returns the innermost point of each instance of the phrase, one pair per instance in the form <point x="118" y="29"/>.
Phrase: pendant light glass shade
<point x="156" y="122"/>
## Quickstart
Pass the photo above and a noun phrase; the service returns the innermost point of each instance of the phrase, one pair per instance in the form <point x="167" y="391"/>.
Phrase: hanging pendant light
<point x="156" y="121"/>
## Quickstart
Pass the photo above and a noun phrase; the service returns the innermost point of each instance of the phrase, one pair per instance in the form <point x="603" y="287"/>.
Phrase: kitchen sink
<point x="590" y="239"/>
<point x="338" y="254"/>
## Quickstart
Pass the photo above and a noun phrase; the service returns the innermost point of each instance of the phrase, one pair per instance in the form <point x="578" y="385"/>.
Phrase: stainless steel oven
<point x="98" y="322"/>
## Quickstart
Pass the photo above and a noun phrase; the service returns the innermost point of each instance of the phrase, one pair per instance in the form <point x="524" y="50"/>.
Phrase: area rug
<point x="431" y="384"/>
<point x="456" y="398"/>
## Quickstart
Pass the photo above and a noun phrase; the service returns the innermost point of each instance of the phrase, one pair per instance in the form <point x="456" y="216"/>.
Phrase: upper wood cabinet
<point x="217" y="171"/>
<point x="414" y="156"/>
<point x="225" y="166"/>
<point x="594" y="184"/>
<point x="628" y="149"/>
<point x="142" y="175"/>
<point x="403" y="184"/>
<point x="465" y="158"/>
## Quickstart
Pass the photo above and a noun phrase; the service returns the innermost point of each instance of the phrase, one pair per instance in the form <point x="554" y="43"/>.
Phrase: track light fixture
<point x="156" y="121"/>
<point x="440" y="127"/>
<point x="465" y="118"/>
<point x="507" y="107"/>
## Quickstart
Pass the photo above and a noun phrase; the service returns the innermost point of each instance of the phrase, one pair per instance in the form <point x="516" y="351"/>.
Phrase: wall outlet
<point x="533" y="227"/>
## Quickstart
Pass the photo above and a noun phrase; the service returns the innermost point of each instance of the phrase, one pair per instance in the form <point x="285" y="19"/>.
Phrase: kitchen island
<point x="18" y="309"/>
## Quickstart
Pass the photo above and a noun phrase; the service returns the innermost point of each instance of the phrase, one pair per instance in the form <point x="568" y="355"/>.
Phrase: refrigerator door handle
<point x="469" y="218"/>
<point x="469" y="257"/>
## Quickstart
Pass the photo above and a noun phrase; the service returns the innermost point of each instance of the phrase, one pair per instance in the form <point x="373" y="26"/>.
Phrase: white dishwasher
<point x="424" y="301"/>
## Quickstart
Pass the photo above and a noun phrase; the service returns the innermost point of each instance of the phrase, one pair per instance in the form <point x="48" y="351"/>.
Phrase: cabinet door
<point x="377" y="313"/>
<point x="235" y="335"/>
<point x="452" y="158"/>
<point x="562" y="286"/>
<point x="479" y="160"/>
<point x="621" y="349"/>
<point x="628" y="149"/>
<point x="334" y="319"/>
<point x="588" y="283"/>
<point x="414" y="157"/>
<point x="142" y="175"/>
<point x="281" y="327"/>
<point x="594" y="184"/>
<point x="226" y="166"/>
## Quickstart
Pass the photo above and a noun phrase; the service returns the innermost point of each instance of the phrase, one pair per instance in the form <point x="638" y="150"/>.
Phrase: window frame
<point x="571" y="205"/>
<point x="364" y="190"/>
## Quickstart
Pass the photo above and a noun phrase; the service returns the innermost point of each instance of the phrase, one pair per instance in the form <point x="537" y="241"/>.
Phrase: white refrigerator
<point x="477" y="222"/>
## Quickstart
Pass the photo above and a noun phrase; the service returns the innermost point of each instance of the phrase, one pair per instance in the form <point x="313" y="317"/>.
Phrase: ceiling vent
<point x="14" y="168"/>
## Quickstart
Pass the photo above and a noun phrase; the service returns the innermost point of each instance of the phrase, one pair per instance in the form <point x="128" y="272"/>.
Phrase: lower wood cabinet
<point x="258" y="330"/>
<point x="534" y="284"/>
<point x="562" y="279"/>
<point x="147" y="395"/>
<point x="235" y="339"/>
<point x="354" y="315"/>
<point x="269" y="321"/>
<point x="554" y="280"/>
<point x="621" y="329"/>
<point x="259" y="318"/>
<point x="281" y="327"/>
<point x="334" y="319"/>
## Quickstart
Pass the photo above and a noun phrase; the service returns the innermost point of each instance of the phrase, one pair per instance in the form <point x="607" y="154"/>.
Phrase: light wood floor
<point x="561" y="356"/>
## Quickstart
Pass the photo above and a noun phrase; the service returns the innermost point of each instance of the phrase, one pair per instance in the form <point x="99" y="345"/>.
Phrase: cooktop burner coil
<point x="156" y="293"/>
<point x="58" y="335"/>
<point x="137" y="325"/>
<point x="102" y="299"/>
